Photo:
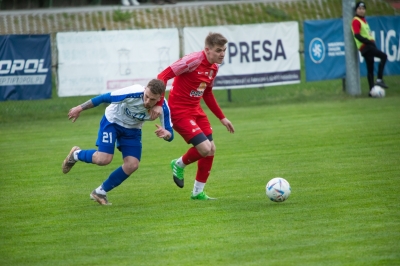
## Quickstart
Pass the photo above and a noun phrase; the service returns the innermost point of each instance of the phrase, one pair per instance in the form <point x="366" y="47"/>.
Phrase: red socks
<point x="203" y="168"/>
<point x="204" y="164"/>
<point x="191" y="156"/>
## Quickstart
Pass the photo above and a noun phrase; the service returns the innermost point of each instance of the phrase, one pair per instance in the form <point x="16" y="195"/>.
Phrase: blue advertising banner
<point x="25" y="67"/>
<point x="324" y="47"/>
<point x="386" y="31"/>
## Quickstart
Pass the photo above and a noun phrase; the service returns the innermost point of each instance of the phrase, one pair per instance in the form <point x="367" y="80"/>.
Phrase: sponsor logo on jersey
<point x="199" y="91"/>
<point x="138" y="116"/>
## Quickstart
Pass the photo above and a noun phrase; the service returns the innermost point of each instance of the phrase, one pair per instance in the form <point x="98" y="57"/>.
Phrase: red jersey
<point x="194" y="79"/>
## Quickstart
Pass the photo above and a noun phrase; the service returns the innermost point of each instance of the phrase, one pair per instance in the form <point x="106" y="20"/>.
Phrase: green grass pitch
<point x="340" y="155"/>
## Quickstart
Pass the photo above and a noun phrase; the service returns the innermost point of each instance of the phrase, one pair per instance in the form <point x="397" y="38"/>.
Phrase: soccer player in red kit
<point x="194" y="78"/>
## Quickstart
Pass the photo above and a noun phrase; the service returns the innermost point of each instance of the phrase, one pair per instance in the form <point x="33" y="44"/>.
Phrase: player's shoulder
<point x="194" y="55"/>
<point x="136" y="88"/>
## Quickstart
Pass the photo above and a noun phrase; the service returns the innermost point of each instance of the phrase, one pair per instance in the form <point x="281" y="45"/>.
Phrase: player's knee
<point x="213" y="149"/>
<point x="130" y="167"/>
<point x="204" y="153"/>
<point x="205" y="149"/>
<point x="104" y="160"/>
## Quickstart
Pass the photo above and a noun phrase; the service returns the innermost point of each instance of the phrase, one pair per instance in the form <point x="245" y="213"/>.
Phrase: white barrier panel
<point x="92" y="63"/>
<point x="257" y="55"/>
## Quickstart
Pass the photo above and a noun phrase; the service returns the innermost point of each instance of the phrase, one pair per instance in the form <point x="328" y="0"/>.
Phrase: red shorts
<point x="190" y="126"/>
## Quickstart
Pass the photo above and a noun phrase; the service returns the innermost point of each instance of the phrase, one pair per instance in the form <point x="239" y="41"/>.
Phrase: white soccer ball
<point x="278" y="189"/>
<point x="377" y="92"/>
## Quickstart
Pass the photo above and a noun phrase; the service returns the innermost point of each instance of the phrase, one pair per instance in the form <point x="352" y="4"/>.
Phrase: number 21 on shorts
<point x="107" y="137"/>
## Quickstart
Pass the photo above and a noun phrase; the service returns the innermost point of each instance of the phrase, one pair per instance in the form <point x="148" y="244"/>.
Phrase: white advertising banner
<point x="257" y="55"/>
<point x="91" y="63"/>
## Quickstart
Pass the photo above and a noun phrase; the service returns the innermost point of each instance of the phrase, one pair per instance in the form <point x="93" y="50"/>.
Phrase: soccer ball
<point x="377" y="92"/>
<point x="278" y="189"/>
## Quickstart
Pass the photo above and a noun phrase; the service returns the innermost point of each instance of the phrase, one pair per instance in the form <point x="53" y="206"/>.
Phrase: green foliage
<point x="211" y="15"/>
<point x="276" y="13"/>
<point x="121" y="16"/>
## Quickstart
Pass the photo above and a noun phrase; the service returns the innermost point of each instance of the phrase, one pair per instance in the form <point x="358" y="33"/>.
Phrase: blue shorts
<point x="128" y="140"/>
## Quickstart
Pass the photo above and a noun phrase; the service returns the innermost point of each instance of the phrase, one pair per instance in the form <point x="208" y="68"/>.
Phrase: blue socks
<point x="86" y="155"/>
<point x="115" y="179"/>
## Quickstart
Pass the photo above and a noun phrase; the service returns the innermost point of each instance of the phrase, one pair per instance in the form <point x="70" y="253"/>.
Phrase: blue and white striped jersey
<point x="127" y="109"/>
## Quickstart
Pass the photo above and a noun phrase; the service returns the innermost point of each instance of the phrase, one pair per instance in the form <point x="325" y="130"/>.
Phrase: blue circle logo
<point x="317" y="50"/>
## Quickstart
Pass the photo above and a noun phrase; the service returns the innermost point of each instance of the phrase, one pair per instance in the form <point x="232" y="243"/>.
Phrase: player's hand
<point x="162" y="133"/>
<point x="155" y="112"/>
<point x="228" y="125"/>
<point x="74" y="113"/>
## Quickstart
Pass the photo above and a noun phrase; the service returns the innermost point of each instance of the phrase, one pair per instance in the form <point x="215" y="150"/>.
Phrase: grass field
<point x="339" y="153"/>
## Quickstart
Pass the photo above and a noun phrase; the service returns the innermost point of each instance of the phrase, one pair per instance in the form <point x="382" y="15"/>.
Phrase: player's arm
<point x="76" y="111"/>
<point x="165" y="131"/>
<point x="175" y="69"/>
<point x="364" y="40"/>
<point x="211" y="102"/>
<point x="356" y="25"/>
<point x="165" y="75"/>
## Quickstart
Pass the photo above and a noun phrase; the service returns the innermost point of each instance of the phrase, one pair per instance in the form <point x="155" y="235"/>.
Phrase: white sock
<point x="100" y="190"/>
<point x="378" y="80"/>
<point x="180" y="163"/>
<point x="76" y="155"/>
<point x="198" y="187"/>
<point x="135" y="3"/>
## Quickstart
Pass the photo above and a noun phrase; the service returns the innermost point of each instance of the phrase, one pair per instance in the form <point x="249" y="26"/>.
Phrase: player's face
<point x="360" y="11"/>
<point x="150" y="99"/>
<point x="215" y="54"/>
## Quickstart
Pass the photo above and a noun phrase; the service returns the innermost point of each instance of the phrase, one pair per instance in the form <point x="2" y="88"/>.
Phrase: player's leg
<point x="383" y="57"/>
<point x="129" y="143"/>
<point x="204" y="164"/>
<point x="70" y="160"/>
<point x="103" y="156"/>
<point x="192" y="134"/>
<point x="369" y="61"/>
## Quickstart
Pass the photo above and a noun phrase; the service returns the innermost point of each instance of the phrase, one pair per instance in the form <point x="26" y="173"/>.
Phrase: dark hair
<point x="214" y="39"/>
<point x="360" y="3"/>
<point x="156" y="86"/>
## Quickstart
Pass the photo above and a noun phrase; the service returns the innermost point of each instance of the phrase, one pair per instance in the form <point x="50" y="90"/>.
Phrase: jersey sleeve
<point x="102" y="98"/>
<point x="211" y="102"/>
<point x="166" y="75"/>
<point x="356" y="26"/>
<point x="188" y="63"/>
<point x="165" y="120"/>
<point x="161" y="101"/>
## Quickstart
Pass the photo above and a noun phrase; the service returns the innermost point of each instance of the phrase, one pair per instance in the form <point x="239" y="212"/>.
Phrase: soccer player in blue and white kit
<point x="121" y="124"/>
